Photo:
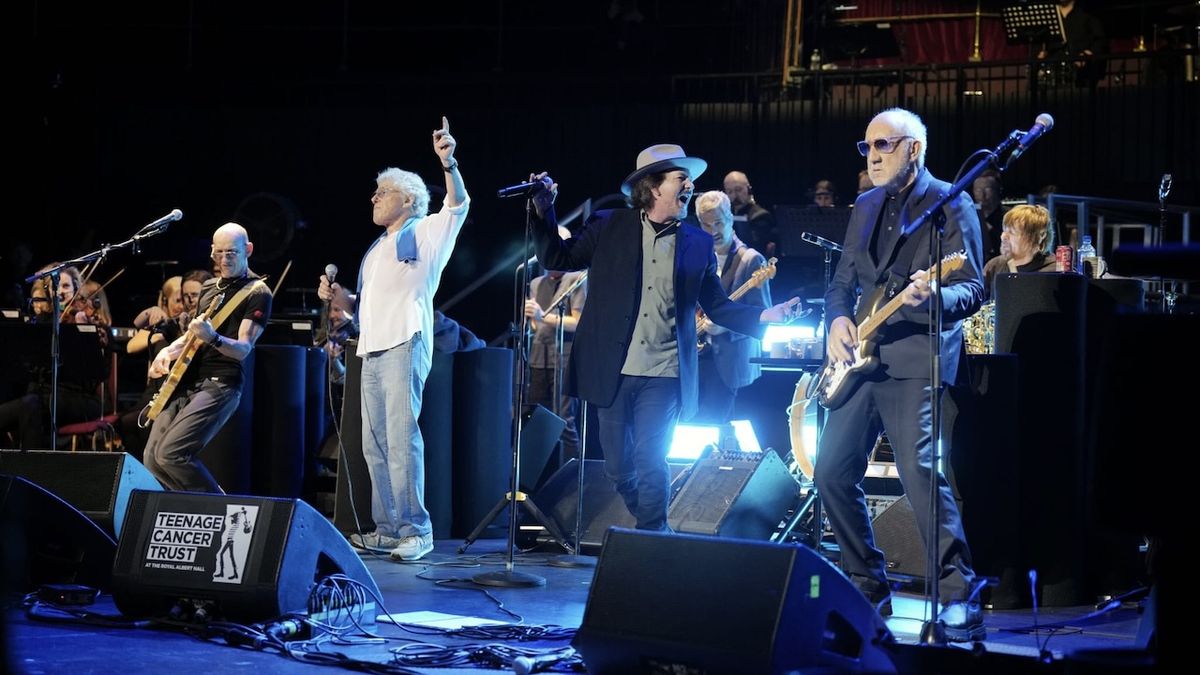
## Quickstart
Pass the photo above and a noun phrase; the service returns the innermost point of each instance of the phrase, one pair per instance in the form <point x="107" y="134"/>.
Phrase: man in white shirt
<point x="396" y="283"/>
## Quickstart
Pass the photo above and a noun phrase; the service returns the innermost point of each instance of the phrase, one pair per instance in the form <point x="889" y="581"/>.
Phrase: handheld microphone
<point x="1043" y="124"/>
<point x="326" y="328"/>
<point x="162" y="223"/>
<point x="523" y="665"/>
<point x="522" y="189"/>
<point x="816" y="240"/>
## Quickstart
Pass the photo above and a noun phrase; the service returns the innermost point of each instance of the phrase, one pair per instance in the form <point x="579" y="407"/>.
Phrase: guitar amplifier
<point x="734" y="494"/>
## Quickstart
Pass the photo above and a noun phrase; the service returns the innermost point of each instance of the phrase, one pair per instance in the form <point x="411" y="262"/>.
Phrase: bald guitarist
<point x="725" y="358"/>
<point x="212" y="352"/>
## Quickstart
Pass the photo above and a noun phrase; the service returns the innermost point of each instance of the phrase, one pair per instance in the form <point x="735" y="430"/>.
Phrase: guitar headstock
<point x="765" y="271"/>
<point x="951" y="263"/>
<point x="212" y="306"/>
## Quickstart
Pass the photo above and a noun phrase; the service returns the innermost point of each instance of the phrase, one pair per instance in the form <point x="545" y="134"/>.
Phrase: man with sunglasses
<point x="211" y="387"/>
<point x="895" y="396"/>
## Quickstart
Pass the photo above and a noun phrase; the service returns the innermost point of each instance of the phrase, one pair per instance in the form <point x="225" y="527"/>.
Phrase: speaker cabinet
<point x="672" y="603"/>
<point x="734" y="494"/>
<point x="44" y="540"/>
<point x="602" y="506"/>
<point x="243" y="558"/>
<point x="540" y="432"/>
<point x="96" y="483"/>
<point x="897" y="536"/>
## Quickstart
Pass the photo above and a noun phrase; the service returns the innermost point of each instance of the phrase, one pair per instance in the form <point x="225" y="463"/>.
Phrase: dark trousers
<point x="635" y="433"/>
<point x="902" y="408"/>
<point x="182" y="430"/>
<point x="29" y="416"/>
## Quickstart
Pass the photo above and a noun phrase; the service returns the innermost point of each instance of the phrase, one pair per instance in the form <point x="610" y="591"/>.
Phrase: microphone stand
<point x="813" y="499"/>
<point x="933" y="631"/>
<point x="572" y="558"/>
<point x="100" y="254"/>
<point x="509" y="577"/>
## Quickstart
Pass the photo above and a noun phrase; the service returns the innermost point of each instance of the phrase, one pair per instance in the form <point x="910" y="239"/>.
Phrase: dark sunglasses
<point x="886" y="145"/>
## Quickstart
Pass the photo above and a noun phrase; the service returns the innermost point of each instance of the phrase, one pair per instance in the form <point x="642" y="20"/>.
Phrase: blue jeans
<point x="635" y="434"/>
<point x="392" y="384"/>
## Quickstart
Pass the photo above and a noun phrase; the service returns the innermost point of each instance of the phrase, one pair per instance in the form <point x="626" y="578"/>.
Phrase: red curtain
<point x="937" y="40"/>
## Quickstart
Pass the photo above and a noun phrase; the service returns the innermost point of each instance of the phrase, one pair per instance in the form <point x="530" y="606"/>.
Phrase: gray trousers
<point x="182" y="430"/>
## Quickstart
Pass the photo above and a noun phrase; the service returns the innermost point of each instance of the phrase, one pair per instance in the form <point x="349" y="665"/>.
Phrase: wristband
<point x="451" y="168"/>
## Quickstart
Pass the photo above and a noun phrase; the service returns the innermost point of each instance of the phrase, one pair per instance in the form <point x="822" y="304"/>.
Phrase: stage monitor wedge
<point x="241" y="558"/>
<point x="677" y="603"/>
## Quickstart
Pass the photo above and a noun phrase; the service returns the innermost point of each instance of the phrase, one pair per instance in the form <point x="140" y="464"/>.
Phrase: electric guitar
<point x="838" y="380"/>
<point x="761" y="275"/>
<point x="191" y="345"/>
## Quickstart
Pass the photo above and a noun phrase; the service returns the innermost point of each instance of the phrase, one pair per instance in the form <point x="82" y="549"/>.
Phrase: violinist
<point x="28" y="416"/>
<point x="162" y="323"/>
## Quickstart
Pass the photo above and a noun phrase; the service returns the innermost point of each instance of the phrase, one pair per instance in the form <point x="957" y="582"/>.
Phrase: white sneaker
<point x="413" y="547"/>
<point x="373" y="541"/>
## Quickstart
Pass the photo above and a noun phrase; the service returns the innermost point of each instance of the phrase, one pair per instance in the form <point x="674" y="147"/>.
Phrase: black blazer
<point x="610" y="247"/>
<point x="904" y="345"/>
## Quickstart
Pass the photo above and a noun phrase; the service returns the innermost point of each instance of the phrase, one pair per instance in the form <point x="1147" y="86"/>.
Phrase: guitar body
<point x="838" y="380"/>
<point x="191" y="345"/>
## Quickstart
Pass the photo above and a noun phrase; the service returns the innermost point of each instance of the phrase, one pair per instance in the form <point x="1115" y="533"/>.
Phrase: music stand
<point x="1026" y="24"/>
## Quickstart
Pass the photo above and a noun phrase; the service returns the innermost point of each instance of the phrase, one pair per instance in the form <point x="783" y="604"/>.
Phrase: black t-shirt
<point x="211" y="363"/>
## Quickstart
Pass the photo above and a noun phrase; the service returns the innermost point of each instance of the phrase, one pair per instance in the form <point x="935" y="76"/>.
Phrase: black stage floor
<point x="436" y="584"/>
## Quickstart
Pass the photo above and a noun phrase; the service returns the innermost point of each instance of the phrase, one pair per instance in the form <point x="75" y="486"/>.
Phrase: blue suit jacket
<point x="904" y="345"/>
<point x="732" y="351"/>
<point x="610" y="247"/>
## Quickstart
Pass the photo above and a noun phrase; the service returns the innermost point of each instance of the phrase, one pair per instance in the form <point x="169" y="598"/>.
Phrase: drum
<point x="802" y="427"/>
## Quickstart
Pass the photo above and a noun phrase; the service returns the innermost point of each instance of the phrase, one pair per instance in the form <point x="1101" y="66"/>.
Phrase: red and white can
<point x="1063" y="255"/>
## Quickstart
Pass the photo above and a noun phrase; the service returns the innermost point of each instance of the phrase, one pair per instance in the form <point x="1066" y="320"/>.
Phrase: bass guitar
<point x="191" y="345"/>
<point x="838" y="380"/>
<point x="758" y="278"/>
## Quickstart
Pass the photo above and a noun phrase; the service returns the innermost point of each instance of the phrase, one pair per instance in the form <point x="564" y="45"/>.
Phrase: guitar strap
<point x="234" y="302"/>
<point x="895" y="276"/>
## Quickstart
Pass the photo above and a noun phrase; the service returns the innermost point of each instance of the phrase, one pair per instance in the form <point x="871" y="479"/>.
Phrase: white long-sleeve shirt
<point x="396" y="295"/>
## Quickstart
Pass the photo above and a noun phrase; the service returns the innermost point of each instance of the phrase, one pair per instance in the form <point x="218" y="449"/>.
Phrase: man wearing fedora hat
<point x="635" y="349"/>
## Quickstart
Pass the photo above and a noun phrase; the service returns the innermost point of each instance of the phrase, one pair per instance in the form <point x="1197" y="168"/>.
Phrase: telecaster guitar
<point x="838" y="380"/>
<point x="191" y="345"/>
<point x="761" y="275"/>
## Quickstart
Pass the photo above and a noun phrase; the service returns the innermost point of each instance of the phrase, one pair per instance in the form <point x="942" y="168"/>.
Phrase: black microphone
<point x="521" y="189"/>
<point x="820" y="241"/>
<point x="1043" y="124"/>
<point x="162" y="223"/>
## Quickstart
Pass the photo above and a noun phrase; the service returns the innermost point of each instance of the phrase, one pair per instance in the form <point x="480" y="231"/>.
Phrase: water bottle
<point x="1087" y="257"/>
<point x="814" y="62"/>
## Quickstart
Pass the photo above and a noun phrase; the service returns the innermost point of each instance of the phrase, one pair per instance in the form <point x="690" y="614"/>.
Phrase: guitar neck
<point x="873" y="322"/>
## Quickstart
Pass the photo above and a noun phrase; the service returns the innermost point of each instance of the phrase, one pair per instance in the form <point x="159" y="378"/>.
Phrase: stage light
<point x="691" y="439"/>
<point x="747" y="440"/>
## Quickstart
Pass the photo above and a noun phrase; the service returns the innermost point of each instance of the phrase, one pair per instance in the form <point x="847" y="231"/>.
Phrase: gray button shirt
<point x="653" y="351"/>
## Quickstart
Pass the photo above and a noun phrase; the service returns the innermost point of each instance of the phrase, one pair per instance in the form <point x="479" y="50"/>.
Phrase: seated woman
<point x="1026" y="245"/>
<point x="162" y="323"/>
